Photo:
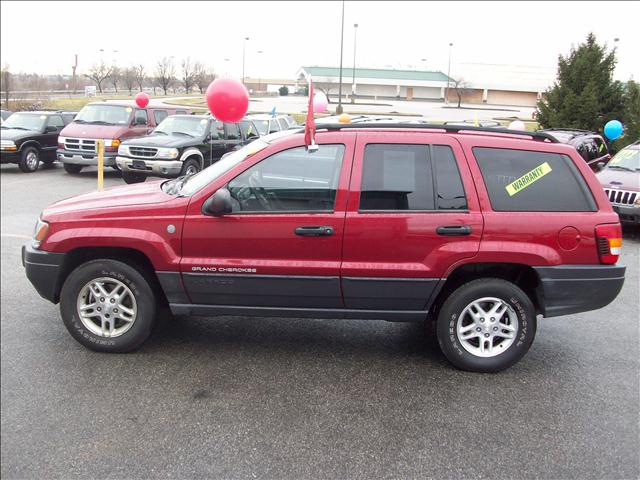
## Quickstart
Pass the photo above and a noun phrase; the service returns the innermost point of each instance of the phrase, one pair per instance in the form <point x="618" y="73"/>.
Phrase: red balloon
<point x="142" y="99"/>
<point x="228" y="99"/>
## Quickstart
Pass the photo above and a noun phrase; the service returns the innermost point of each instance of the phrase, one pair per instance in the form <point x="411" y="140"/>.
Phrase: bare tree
<point x="5" y="79"/>
<point x="202" y="76"/>
<point x="129" y="78"/>
<point x="99" y="73"/>
<point x="188" y="74"/>
<point x="115" y="76"/>
<point x="462" y="88"/>
<point x="141" y="76"/>
<point x="165" y="73"/>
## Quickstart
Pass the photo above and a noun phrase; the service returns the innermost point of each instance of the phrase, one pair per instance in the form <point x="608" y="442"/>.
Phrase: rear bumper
<point x="163" y="168"/>
<point x="86" y="159"/>
<point x="628" y="214"/>
<point x="43" y="271"/>
<point x="568" y="289"/>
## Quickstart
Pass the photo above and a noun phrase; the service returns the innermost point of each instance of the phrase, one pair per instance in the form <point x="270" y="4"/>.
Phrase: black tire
<point x="29" y="160"/>
<point x="72" y="168"/>
<point x="133" y="177"/>
<point x="137" y="284"/>
<point x="116" y="167"/>
<point x="190" y="164"/>
<point x="48" y="162"/>
<point x="454" y="306"/>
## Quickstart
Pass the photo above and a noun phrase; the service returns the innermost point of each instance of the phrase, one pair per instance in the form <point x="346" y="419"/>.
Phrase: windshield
<point x="104" y="114"/>
<point x="25" y="121"/>
<point x="262" y="126"/>
<point x="194" y="127"/>
<point x="209" y="174"/>
<point x="626" y="159"/>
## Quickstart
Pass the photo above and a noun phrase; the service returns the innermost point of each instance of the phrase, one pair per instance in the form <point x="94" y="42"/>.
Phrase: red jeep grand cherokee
<point x="480" y="229"/>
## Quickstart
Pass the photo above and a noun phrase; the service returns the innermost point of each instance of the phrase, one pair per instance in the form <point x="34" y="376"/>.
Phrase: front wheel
<point x="29" y="160"/>
<point x="190" y="167"/>
<point x="108" y="306"/>
<point x="486" y="325"/>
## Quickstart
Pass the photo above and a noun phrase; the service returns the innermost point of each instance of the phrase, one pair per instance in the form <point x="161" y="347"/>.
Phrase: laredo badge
<point x="528" y="178"/>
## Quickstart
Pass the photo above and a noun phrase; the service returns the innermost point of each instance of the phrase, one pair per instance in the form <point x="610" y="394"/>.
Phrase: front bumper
<point x="568" y="289"/>
<point x="86" y="159"/>
<point x="628" y="214"/>
<point x="43" y="271"/>
<point x="162" y="168"/>
<point x="9" y="156"/>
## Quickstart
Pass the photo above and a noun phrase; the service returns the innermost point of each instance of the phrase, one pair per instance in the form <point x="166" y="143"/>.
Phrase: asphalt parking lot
<point x="281" y="398"/>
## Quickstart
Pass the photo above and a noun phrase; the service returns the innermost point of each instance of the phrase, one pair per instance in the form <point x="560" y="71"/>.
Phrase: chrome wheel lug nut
<point x="493" y="319"/>
<point x="486" y="335"/>
<point x="482" y="319"/>
<point x="113" y="300"/>
<point x="478" y="329"/>
<point x="99" y="309"/>
<point x="115" y="310"/>
<point x="102" y="299"/>
<point x="495" y="329"/>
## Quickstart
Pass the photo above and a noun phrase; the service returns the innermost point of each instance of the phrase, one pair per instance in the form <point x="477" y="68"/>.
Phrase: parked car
<point x="180" y="145"/>
<point x="620" y="179"/>
<point x="112" y="122"/>
<point x="267" y="123"/>
<point x="482" y="232"/>
<point x="589" y="145"/>
<point x="29" y="138"/>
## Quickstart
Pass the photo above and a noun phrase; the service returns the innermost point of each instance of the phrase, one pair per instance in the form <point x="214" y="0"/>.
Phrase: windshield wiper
<point x="78" y="120"/>
<point x="17" y="128"/>
<point x="183" y="133"/>
<point x="620" y="167"/>
<point x="158" y="132"/>
<point x="101" y="122"/>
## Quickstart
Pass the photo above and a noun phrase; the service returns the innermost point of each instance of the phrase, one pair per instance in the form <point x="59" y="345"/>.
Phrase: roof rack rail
<point x="448" y="128"/>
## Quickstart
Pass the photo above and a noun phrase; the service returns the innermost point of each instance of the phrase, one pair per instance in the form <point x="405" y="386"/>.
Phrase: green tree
<point x="584" y="96"/>
<point x="631" y="115"/>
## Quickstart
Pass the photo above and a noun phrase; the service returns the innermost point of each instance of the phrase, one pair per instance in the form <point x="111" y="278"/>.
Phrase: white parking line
<point x="15" y="235"/>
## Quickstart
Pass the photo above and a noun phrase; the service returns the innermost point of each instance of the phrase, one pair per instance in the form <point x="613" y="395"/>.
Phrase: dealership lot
<point x="280" y="398"/>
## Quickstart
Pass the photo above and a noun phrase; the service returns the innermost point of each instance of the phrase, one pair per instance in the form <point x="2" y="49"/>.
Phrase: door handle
<point x="454" y="230"/>
<point x="314" y="231"/>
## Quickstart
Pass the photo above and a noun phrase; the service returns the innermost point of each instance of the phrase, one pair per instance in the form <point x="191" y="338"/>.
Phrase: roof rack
<point x="447" y="128"/>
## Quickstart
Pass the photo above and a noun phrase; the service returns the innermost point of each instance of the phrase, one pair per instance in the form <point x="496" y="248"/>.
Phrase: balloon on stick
<point x="227" y="99"/>
<point x="517" y="125"/>
<point x="142" y="99"/>
<point x="320" y="102"/>
<point x="613" y="129"/>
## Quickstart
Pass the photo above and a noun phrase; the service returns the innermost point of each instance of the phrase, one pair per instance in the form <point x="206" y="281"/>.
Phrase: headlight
<point x="123" y="150"/>
<point x="40" y="232"/>
<point x="167" y="153"/>
<point x="8" y="145"/>
<point x="62" y="139"/>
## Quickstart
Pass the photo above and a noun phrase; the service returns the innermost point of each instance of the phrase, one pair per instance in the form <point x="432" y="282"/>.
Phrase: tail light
<point x="609" y="241"/>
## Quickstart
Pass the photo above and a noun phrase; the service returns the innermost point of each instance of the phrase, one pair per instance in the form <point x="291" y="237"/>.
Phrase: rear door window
<point x="56" y="121"/>
<point x="232" y="132"/>
<point x="283" y="124"/>
<point x="527" y="181"/>
<point x="450" y="192"/>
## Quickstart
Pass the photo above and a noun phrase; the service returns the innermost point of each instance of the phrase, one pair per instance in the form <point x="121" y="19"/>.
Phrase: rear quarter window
<point x="527" y="181"/>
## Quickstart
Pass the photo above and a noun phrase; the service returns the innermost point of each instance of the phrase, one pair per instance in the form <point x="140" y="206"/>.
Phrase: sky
<point x="292" y="34"/>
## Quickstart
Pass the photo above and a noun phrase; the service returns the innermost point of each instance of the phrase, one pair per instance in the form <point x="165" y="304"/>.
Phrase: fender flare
<point x="192" y="152"/>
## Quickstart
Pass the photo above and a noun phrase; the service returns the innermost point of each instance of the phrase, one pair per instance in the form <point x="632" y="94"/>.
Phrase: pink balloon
<point x="228" y="99"/>
<point x="142" y="99"/>
<point x="320" y="102"/>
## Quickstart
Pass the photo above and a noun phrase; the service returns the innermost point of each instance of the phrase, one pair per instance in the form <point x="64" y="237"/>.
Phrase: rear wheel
<point x="191" y="166"/>
<point x="132" y="177"/>
<point x="29" y="160"/>
<point x="71" y="168"/>
<point x="108" y="306"/>
<point x="486" y="325"/>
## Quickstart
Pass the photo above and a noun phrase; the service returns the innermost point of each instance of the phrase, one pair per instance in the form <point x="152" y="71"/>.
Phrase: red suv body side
<point x="390" y="265"/>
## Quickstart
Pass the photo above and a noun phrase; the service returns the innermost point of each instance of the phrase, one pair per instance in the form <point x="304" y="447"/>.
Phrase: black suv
<point x="181" y="145"/>
<point x="589" y="145"/>
<point x="31" y="137"/>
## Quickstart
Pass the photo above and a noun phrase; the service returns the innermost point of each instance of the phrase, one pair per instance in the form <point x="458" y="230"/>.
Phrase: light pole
<point x="353" y="83"/>
<point x="259" y="82"/>
<point x="244" y="44"/>
<point x="446" y="99"/>
<point x="339" y="107"/>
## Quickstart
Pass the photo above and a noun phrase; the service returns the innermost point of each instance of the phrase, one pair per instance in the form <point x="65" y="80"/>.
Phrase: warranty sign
<point x="528" y="178"/>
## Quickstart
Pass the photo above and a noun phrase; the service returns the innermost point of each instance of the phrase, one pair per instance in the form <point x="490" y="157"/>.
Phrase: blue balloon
<point x="613" y="129"/>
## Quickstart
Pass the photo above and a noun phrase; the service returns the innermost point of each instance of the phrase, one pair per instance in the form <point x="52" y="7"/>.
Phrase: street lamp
<point x="244" y="44"/>
<point x="259" y="82"/>
<point x="448" y="74"/>
<point x="339" y="107"/>
<point x="353" y="83"/>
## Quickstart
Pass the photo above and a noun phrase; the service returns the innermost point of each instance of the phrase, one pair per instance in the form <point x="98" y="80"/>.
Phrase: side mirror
<point x="218" y="204"/>
<point x="600" y="165"/>
<point x="50" y="129"/>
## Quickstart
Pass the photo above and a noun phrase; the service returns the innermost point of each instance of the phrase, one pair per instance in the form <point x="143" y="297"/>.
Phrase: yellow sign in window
<point x="528" y="178"/>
